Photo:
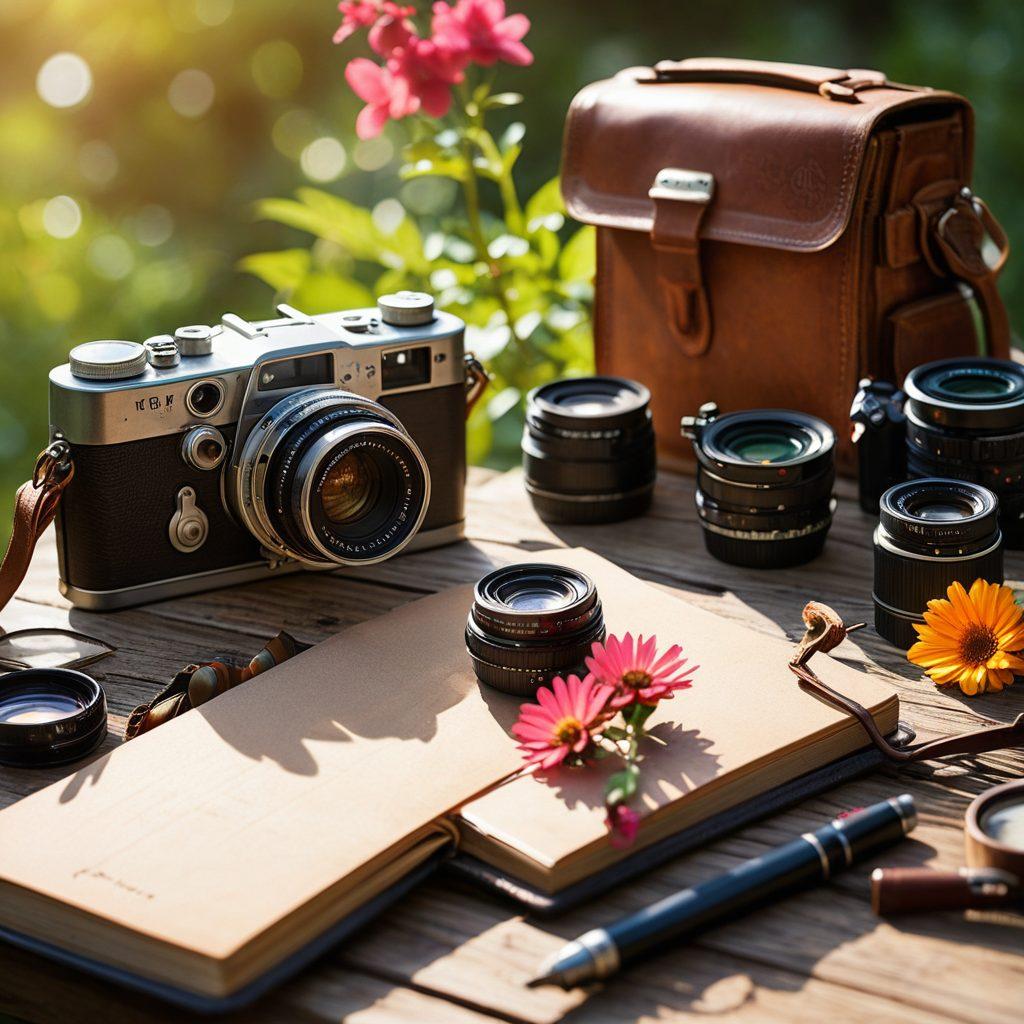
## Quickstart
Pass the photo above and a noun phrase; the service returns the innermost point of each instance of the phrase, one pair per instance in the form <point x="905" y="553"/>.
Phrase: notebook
<point x="207" y="858"/>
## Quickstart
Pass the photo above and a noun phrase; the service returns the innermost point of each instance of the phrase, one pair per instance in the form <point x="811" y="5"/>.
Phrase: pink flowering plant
<point x="580" y="721"/>
<point x="512" y="269"/>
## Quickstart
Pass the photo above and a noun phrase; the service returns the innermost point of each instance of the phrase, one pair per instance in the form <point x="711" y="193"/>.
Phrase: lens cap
<point x="50" y="716"/>
<point x="589" y="403"/>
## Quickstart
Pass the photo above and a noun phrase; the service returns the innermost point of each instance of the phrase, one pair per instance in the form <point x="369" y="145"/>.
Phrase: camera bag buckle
<point x="35" y="505"/>
<point x="681" y="198"/>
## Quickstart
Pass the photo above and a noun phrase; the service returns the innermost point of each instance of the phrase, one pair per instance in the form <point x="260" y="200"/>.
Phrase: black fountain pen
<point x="814" y="857"/>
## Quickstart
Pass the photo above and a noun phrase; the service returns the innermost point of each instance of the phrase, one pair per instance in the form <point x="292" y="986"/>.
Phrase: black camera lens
<point x="530" y="623"/>
<point x="588" y="450"/>
<point x="332" y="479"/>
<point x="50" y="716"/>
<point x="764" y="484"/>
<point x="931" y="532"/>
<point x="965" y="419"/>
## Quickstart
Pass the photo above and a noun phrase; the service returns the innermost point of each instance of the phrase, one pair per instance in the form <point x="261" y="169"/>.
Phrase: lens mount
<point x="331" y="478"/>
<point x="970" y="394"/>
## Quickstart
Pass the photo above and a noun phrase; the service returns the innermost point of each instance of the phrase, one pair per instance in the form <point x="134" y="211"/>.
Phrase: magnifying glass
<point x="993" y="878"/>
<point x="50" y="716"/>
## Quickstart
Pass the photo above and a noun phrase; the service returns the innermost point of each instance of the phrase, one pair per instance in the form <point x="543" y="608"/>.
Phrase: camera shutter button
<point x="189" y="526"/>
<point x="196" y="340"/>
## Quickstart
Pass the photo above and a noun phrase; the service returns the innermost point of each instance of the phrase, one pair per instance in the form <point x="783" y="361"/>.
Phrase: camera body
<point x="228" y="454"/>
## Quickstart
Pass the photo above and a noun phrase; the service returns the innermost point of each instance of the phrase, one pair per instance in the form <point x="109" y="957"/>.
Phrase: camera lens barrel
<point x="531" y="622"/>
<point x="931" y="532"/>
<point x="764" y="485"/>
<point x="965" y="420"/>
<point x="588" y="450"/>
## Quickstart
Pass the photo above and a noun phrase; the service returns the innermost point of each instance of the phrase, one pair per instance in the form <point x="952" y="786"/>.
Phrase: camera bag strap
<point x="34" y="508"/>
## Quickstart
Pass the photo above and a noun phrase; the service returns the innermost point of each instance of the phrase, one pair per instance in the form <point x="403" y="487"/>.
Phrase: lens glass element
<point x="351" y="488"/>
<point x="765" y="445"/>
<point x="36" y="708"/>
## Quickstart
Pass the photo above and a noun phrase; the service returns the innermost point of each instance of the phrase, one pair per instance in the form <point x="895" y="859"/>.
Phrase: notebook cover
<point x="546" y="904"/>
<point x="277" y="975"/>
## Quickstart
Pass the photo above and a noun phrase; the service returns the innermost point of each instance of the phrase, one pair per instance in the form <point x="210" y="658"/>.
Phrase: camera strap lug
<point x="35" y="505"/>
<point x="477" y="380"/>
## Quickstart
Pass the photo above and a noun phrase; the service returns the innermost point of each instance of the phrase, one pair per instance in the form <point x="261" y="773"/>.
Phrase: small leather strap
<point x="34" y="508"/>
<point x="675" y="237"/>
<point x="952" y="233"/>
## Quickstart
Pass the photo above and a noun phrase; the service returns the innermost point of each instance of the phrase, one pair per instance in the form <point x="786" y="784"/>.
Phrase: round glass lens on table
<point x="351" y="488"/>
<point x="37" y="708"/>
<point x="1004" y="823"/>
<point x="988" y="386"/>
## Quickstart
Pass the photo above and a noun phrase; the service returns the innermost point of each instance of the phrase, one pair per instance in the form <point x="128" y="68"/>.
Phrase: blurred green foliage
<point x="197" y="110"/>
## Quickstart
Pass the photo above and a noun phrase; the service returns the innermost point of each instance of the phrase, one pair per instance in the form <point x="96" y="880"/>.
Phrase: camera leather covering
<point x="761" y="226"/>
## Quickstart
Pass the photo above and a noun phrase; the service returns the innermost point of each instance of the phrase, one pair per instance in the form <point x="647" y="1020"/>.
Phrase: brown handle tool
<point x="915" y="890"/>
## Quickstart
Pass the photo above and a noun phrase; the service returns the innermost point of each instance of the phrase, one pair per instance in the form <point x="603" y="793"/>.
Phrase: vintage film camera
<point x="225" y="454"/>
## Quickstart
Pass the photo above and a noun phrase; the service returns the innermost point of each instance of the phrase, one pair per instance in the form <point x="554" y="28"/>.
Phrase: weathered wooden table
<point x="454" y="955"/>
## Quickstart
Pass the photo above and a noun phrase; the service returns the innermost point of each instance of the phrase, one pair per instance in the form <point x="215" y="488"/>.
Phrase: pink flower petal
<point x="371" y="120"/>
<point x="368" y="81"/>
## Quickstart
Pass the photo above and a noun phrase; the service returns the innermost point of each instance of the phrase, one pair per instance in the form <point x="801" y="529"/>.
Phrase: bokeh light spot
<point x="373" y="154"/>
<point x="276" y="68"/>
<point x="64" y="80"/>
<point x="214" y="12"/>
<point x="152" y="225"/>
<point x="293" y="131"/>
<point x="388" y="214"/>
<point x="111" y="257"/>
<point x="57" y="296"/>
<point x="191" y="93"/>
<point x="62" y="217"/>
<point x="323" y="159"/>
<point x="98" y="162"/>
<point x="428" y="195"/>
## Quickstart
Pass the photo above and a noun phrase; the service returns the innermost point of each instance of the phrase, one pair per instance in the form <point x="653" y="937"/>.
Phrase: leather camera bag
<point x="768" y="234"/>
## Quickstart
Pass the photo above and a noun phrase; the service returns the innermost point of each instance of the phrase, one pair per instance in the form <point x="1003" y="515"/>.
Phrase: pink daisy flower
<point x="635" y="672"/>
<point x="560" y="723"/>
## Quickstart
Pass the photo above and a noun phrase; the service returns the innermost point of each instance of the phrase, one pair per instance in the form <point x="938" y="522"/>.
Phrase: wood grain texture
<point x="453" y="954"/>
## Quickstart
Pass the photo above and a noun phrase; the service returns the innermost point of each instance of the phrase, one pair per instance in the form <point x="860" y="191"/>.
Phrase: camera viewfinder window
<point x="303" y="371"/>
<point x="405" y="368"/>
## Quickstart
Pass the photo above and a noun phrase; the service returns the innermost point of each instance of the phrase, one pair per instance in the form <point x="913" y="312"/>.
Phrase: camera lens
<point x="530" y="623"/>
<point x="588" y="450"/>
<point x="330" y="478"/>
<point x="50" y="716"/>
<point x="930" y="533"/>
<point x="205" y="398"/>
<point x="965" y="419"/>
<point x="764" y="485"/>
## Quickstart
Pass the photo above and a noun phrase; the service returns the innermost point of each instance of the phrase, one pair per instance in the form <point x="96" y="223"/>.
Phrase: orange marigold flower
<point x="972" y="640"/>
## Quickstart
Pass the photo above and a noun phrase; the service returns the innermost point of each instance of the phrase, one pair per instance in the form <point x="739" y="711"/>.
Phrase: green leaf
<point x="578" y="261"/>
<point x="544" y="204"/>
<point x="282" y="270"/>
<point x="614" y="732"/>
<point x="621" y="787"/>
<point x="502" y="99"/>
<point x="326" y="292"/>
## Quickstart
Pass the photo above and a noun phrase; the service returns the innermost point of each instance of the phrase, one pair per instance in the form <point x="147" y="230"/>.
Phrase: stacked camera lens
<point x="965" y="419"/>
<point x="764" y="484"/>
<point x="530" y="623"/>
<point x="931" y="532"/>
<point x="588" y="450"/>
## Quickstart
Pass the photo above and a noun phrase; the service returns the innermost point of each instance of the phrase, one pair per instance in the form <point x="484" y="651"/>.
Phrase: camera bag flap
<point x="761" y="227"/>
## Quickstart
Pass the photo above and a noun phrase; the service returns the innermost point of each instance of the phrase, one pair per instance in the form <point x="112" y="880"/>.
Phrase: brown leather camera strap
<point x="34" y="509"/>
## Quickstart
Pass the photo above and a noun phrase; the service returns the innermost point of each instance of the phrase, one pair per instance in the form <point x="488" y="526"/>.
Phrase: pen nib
<point x="542" y="979"/>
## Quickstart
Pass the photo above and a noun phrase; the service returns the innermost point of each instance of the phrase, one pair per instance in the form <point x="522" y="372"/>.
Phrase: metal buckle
<point x="54" y="462"/>
<point x="683" y="185"/>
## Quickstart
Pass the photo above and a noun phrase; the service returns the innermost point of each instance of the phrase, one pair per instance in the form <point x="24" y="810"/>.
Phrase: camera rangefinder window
<point x="407" y="368"/>
<point x="303" y="371"/>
